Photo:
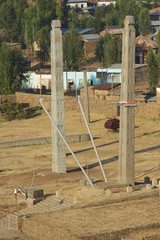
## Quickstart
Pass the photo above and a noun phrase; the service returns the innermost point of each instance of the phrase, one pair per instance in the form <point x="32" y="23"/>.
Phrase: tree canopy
<point x="12" y="68"/>
<point x="25" y="23"/>
<point x="109" y="50"/>
<point x="144" y="22"/>
<point x="153" y="70"/>
<point x="72" y="49"/>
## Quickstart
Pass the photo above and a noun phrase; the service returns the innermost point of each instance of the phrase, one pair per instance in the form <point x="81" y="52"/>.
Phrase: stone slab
<point x="36" y="141"/>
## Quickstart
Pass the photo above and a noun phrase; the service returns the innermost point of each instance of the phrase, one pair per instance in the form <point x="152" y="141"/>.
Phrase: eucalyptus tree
<point x="72" y="49"/>
<point x="12" y="69"/>
<point x="144" y="22"/>
<point x="153" y="70"/>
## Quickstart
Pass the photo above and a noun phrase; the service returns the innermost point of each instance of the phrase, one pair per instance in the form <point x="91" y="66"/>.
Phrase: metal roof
<point x="152" y="99"/>
<point x="119" y="66"/>
<point x="84" y="30"/>
<point x="116" y="94"/>
<point x="155" y="23"/>
<point x="91" y="37"/>
<point x="147" y="97"/>
<point x="154" y="13"/>
<point x="141" y="96"/>
<point x="76" y="1"/>
<point x="105" y="86"/>
<point x="81" y="30"/>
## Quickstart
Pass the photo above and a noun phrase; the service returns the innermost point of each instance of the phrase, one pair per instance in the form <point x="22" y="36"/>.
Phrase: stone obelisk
<point x="126" y="141"/>
<point x="57" y="99"/>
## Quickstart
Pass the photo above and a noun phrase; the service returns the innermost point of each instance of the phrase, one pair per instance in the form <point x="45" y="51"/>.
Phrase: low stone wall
<point x="103" y="106"/>
<point x="150" y="110"/>
<point x="32" y="99"/>
<point x="106" y="106"/>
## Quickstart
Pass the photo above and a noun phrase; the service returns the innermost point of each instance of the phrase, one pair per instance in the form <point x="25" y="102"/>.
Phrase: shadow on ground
<point x="115" y="158"/>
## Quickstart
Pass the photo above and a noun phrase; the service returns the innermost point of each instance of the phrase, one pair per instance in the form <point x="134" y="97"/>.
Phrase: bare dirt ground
<point x="85" y="222"/>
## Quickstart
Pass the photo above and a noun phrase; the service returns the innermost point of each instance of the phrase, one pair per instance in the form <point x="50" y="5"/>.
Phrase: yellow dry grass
<point x="17" y="165"/>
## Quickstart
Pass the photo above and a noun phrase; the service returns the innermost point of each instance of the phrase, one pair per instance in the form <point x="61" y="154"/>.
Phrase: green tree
<point x="29" y="18"/>
<point x="43" y="39"/>
<point x="100" y="50"/>
<point x="158" y="39"/>
<point x="72" y="49"/>
<point x="144" y="22"/>
<point x="87" y="22"/>
<point x="74" y="23"/>
<point x="109" y="50"/>
<point x="62" y="11"/>
<point x="125" y="8"/>
<point x="153" y="70"/>
<point x="46" y="12"/>
<point x="158" y="42"/>
<point x="99" y="19"/>
<point x="11" y="19"/>
<point x="12" y="68"/>
<point x="112" y="18"/>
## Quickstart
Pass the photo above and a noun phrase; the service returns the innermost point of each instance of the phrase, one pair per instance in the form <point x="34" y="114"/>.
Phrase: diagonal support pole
<point x="64" y="140"/>
<point x="95" y="149"/>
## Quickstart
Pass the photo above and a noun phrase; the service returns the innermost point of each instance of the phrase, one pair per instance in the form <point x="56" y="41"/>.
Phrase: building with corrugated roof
<point x="78" y="3"/>
<point x="90" y="43"/>
<point x="112" y="30"/>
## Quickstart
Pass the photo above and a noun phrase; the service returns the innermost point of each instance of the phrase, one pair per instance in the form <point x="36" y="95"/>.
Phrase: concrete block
<point x="129" y="189"/>
<point x="154" y="182"/>
<point x="108" y="192"/>
<point x="30" y="202"/>
<point x="58" y="194"/>
<point x="84" y="137"/>
<point x="83" y="182"/>
<point x="149" y="187"/>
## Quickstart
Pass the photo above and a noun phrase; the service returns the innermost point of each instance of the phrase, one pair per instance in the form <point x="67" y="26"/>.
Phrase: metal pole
<point x="66" y="75"/>
<point x="92" y="139"/>
<point x="0" y="103"/>
<point x="40" y="83"/>
<point x="75" y="83"/>
<point x="86" y="101"/>
<point x="64" y="140"/>
<point x="112" y="86"/>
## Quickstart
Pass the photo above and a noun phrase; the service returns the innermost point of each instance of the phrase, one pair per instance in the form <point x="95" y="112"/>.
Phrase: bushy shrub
<point x="11" y="111"/>
<point x="112" y="124"/>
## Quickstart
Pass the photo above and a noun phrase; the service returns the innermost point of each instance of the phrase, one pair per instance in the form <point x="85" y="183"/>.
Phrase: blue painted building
<point x="75" y="80"/>
<point x="72" y="80"/>
<point x="112" y="73"/>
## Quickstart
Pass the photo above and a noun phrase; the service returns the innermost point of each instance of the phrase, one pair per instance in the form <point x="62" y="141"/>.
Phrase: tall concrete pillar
<point x="126" y="141"/>
<point x="57" y="98"/>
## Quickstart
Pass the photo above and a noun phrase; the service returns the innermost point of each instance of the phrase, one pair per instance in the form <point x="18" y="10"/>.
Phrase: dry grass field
<point x="95" y="219"/>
